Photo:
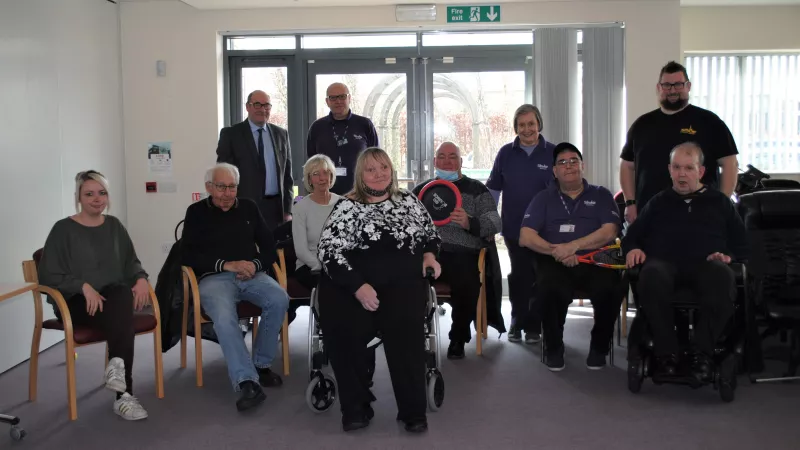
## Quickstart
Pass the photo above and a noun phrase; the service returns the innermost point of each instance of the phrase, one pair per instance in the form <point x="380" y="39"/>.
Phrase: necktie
<point x="261" y="144"/>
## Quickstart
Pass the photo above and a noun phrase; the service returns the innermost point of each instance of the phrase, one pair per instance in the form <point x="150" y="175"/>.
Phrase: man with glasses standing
<point x="653" y="135"/>
<point x="261" y="152"/>
<point x="342" y="136"/>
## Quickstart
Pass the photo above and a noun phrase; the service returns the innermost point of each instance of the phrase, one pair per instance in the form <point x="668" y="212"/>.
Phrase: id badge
<point x="341" y="171"/>
<point x="566" y="228"/>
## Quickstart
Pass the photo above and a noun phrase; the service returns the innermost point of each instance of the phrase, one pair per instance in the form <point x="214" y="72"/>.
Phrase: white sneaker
<point x="129" y="408"/>
<point x="115" y="375"/>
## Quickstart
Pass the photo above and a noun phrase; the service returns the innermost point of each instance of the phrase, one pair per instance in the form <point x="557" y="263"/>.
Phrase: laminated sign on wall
<point x="159" y="158"/>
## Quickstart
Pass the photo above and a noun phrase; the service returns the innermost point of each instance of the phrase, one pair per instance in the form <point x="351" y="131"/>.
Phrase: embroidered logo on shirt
<point x="526" y="216"/>
<point x="543" y="166"/>
<point x="359" y="137"/>
<point x="689" y="130"/>
<point x="589" y="202"/>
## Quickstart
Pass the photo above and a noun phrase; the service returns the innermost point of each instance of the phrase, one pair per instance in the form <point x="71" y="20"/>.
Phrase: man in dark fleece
<point x="685" y="237"/>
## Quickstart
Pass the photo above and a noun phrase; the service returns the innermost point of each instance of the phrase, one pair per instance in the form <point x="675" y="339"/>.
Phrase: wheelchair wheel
<point x="321" y="392"/>
<point x="635" y="375"/>
<point x="17" y="433"/>
<point x="435" y="389"/>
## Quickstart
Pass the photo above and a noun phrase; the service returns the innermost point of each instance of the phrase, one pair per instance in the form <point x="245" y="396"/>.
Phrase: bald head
<point x="688" y="148"/>
<point x="338" y="100"/>
<point x="258" y="107"/>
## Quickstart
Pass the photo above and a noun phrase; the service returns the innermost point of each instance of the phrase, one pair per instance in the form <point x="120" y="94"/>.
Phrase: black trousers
<point x="713" y="282"/>
<point x="272" y="211"/>
<point x="525" y="310"/>
<point x="116" y="321"/>
<point x="349" y="328"/>
<point x="460" y="272"/>
<point x="557" y="285"/>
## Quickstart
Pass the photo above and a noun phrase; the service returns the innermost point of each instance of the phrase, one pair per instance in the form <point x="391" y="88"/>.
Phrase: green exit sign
<point x="467" y="14"/>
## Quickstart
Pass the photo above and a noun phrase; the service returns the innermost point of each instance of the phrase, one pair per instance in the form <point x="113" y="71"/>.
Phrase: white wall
<point x="740" y="28"/>
<point x="185" y="106"/>
<point x="60" y="112"/>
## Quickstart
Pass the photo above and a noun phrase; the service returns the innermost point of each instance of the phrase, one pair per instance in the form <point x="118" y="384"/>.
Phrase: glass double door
<point x="418" y="103"/>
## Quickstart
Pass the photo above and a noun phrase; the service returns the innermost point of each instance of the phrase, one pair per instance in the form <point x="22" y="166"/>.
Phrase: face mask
<point x="447" y="175"/>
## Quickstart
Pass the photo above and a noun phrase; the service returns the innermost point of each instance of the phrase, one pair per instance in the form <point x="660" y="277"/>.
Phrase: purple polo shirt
<point x="520" y="177"/>
<point x="552" y="213"/>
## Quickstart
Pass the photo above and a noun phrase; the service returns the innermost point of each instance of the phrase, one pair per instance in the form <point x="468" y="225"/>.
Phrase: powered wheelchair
<point x="728" y="352"/>
<point x="321" y="390"/>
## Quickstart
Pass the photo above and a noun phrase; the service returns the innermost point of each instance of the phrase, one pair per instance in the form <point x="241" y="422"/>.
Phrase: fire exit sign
<point x="472" y="14"/>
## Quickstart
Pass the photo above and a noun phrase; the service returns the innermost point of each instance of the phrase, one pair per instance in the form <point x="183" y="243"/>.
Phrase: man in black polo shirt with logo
<point x="653" y="135"/>
<point x="342" y="136"/>
<point x="572" y="217"/>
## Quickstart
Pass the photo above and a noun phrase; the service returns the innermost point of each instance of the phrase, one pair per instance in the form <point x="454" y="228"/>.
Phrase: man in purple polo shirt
<point x="342" y="136"/>
<point x="521" y="170"/>
<point x="573" y="217"/>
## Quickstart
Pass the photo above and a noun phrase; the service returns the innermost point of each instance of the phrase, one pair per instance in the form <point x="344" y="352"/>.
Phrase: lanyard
<point x="343" y="140"/>
<point x="569" y="213"/>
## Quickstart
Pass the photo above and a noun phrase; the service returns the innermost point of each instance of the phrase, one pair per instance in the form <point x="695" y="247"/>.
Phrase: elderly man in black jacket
<point x="228" y="245"/>
<point x="686" y="236"/>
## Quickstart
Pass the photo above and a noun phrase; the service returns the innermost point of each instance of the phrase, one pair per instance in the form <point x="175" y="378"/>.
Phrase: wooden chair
<point x="78" y="336"/>
<point x="481" y="322"/>
<point x="245" y="310"/>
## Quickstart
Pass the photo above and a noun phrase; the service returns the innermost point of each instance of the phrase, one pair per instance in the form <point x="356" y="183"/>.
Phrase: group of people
<point x="366" y="244"/>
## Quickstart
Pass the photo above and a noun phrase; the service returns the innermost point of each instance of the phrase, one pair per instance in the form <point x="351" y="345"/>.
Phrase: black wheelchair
<point x="320" y="392"/>
<point x="728" y="353"/>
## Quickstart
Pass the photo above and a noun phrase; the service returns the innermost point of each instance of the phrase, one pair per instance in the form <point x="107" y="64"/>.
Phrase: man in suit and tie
<point x="261" y="152"/>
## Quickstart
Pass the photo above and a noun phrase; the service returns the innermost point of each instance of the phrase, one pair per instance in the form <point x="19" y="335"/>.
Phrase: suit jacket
<point x="236" y="146"/>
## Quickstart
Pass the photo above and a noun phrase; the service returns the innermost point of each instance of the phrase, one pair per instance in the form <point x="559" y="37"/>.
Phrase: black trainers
<point x="514" y="334"/>
<point x="595" y="360"/>
<point x="555" y="361"/>
<point x="532" y="338"/>
<point x="455" y="350"/>
<point x="666" y="365"/>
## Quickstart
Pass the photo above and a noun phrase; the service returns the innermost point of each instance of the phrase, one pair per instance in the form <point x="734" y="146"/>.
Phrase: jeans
<point x="219" y="294"/>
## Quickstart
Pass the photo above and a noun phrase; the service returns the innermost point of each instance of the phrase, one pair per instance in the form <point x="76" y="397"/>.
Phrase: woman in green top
<point x="90" y="259"/>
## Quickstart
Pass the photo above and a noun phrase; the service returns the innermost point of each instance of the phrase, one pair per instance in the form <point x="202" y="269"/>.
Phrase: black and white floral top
<point x="376" y="243"/>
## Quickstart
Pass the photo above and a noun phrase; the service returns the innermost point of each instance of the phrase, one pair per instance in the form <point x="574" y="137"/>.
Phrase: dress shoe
<point x="357" y="420"/>
<point x="455" y="350"/>
<point x="251" y="396"/>
<point x="268" y="378"/>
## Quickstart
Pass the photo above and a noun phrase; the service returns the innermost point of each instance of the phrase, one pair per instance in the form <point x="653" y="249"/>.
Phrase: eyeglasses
<point x="333" y="98"/>
<point x="678" y="86"/>
<point x="258" y="105"/>
<point x="568" y="162"/>
<point x="224" y="187"/>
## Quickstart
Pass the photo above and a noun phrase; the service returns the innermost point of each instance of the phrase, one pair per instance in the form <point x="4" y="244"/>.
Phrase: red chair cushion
<point x="442" y="289"/>
<point x="296" y="290"/>
<point x="142" y="323"/>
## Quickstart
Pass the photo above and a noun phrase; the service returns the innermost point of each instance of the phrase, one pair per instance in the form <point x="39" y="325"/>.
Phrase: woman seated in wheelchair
<point x="685" y="237"/>
<point x="90" y="259"/>
<point x="309" y="215"/>
<point x="375" y="249"/>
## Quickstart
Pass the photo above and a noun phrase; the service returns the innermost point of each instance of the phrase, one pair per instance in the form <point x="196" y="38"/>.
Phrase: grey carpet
<point x="506" y="399"/>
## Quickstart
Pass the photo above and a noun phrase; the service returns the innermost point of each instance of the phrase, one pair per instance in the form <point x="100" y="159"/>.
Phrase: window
<point x="262" y="43"/>
<point x="758" y="97"/>
<point x="483" y="38"/>
<point x="359" y="41"/>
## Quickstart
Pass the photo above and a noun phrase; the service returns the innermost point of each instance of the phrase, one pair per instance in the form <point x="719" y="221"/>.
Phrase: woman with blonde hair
<point x="90" y="259"/>
<point x="309" y="215"/>
<point x="375" y="248"/>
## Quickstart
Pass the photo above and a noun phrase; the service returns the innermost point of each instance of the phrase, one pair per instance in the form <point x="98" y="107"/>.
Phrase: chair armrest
<point x="61" y="304"/>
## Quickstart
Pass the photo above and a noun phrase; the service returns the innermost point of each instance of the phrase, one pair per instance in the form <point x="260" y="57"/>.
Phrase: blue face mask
<point x="447" y="175"/>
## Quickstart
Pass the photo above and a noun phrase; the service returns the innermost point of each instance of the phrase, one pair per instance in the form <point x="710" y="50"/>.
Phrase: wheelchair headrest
<point x="770" y="210"/>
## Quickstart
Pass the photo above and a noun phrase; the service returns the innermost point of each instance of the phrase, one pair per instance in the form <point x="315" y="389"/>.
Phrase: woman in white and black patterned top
<point x="375" y="248"/>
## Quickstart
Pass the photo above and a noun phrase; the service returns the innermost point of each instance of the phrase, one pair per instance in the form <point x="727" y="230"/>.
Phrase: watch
<point x="630" y="202"/>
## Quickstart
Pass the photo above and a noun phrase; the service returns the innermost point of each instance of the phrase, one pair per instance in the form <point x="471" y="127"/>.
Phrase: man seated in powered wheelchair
<point x="685" y="240"/>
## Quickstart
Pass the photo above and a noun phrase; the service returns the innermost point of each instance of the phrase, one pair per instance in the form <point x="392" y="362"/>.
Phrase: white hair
<point x="230" y="168"/>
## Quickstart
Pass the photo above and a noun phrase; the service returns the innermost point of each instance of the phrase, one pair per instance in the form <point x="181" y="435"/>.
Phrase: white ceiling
<point x="250" y="4"/>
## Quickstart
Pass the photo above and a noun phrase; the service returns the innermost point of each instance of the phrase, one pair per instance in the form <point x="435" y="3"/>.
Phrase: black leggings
<point x="349" y="328"/>
<point x="116" y="322"/>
